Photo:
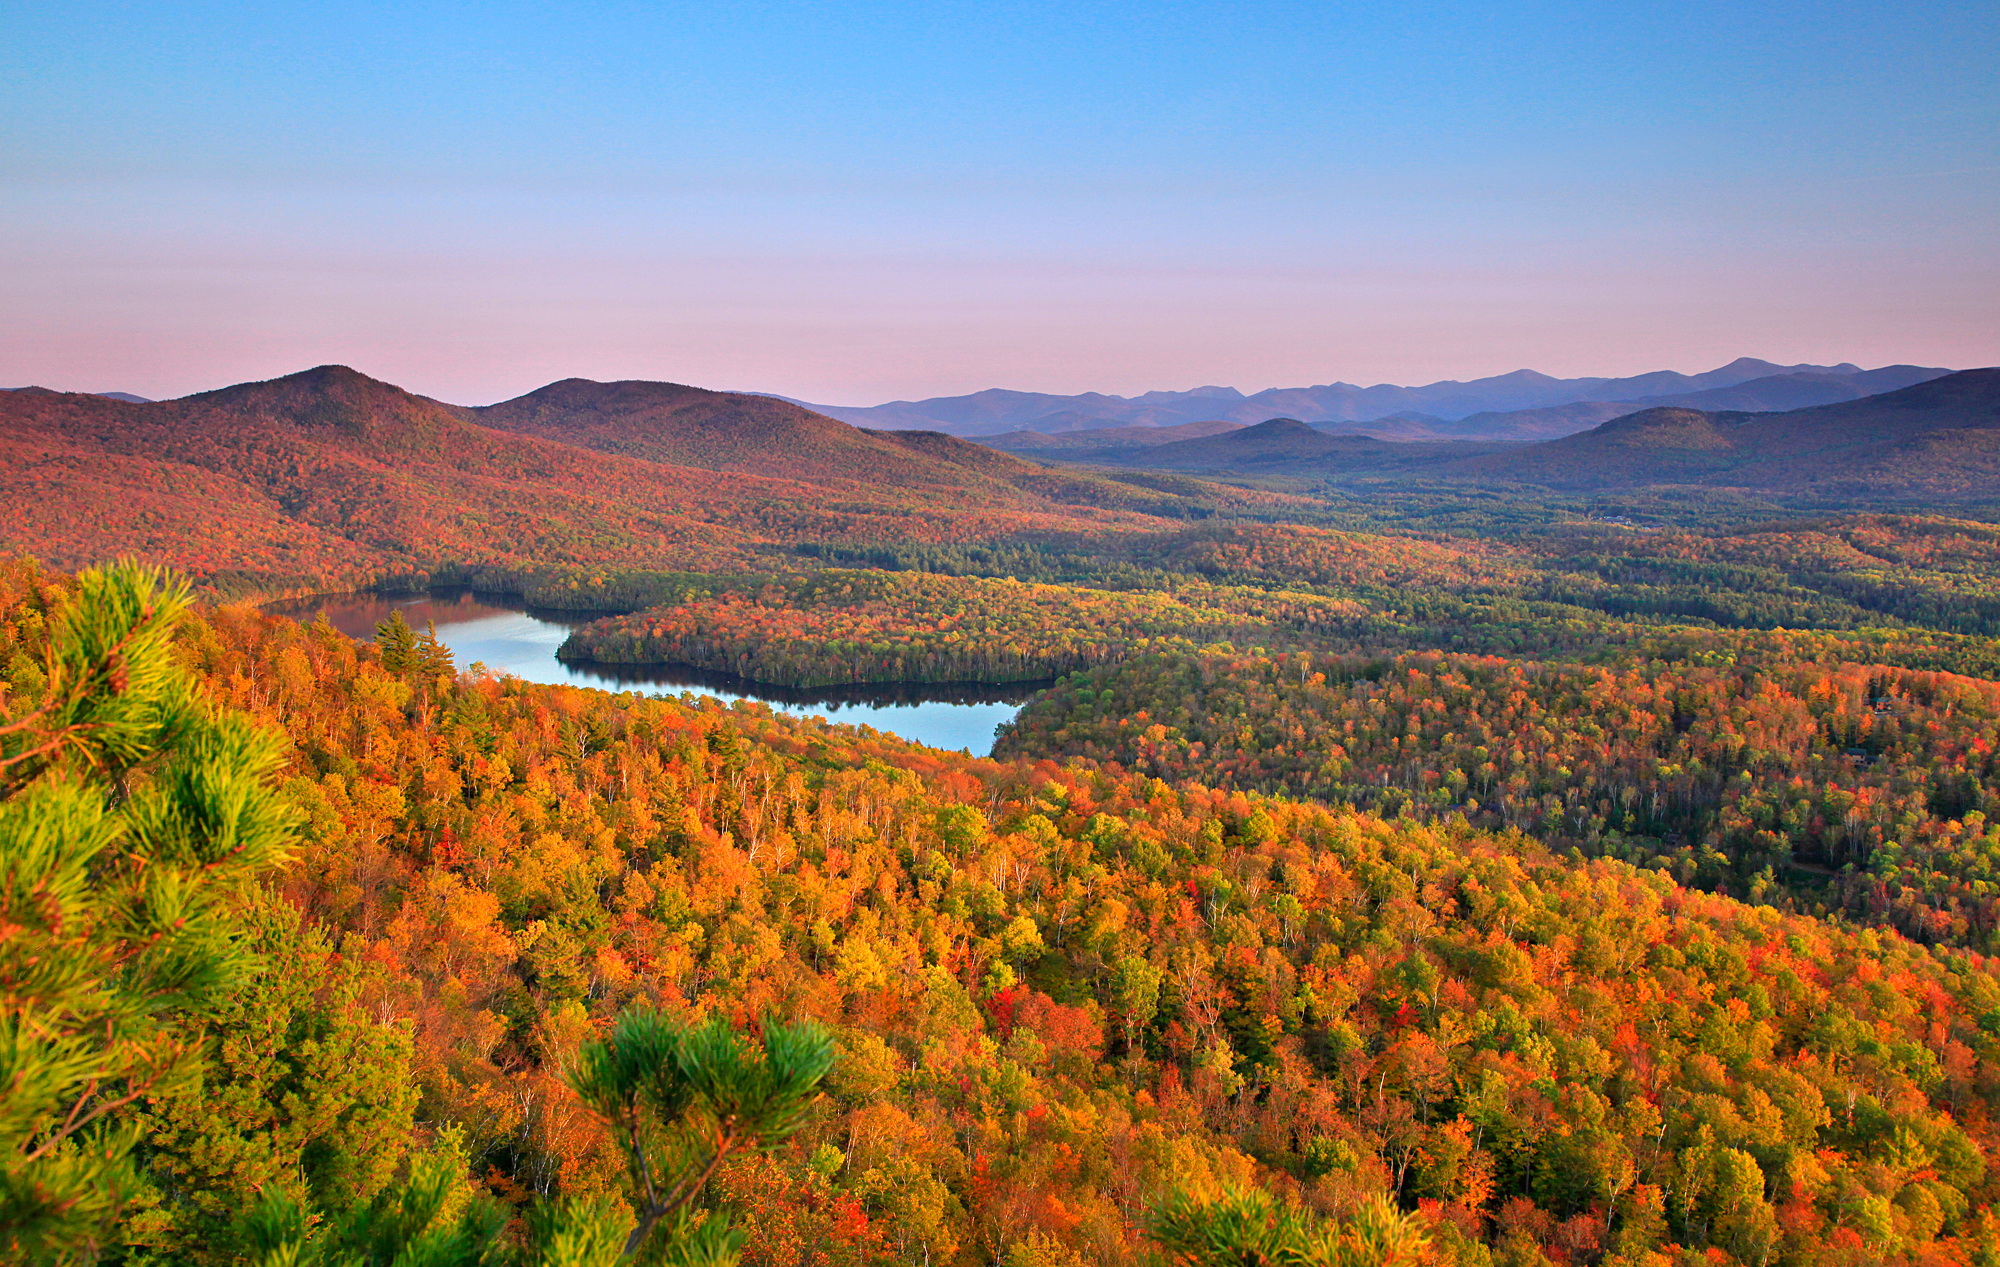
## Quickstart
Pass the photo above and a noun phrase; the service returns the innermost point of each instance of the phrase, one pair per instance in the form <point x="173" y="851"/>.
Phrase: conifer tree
<point x="681" y="1099"/>
<point x="396" y="642"/>
<point x="430" y="656"/>
<point x="1252" y="1229"/>
<point x="301" y="1091"/>
<point x="131" y="814"/>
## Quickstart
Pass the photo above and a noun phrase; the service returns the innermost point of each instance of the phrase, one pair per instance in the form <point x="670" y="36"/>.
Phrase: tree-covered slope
<point x="330" y="478"/>
<point x="1940" y="437"/>
<point x="1062" y="993"/>
<point x="717" y="431"/>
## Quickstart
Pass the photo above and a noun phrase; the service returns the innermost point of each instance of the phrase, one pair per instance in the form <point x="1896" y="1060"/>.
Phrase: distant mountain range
<point x="1935" y="440"/>
<point x="1523" y="405"/>
<point x="329" y="478"/>
<point x="1112" y="445"/>
<point x="1939" y="439"/>
<point x="1435" y="411"/>
<point x="1758" y="395"/>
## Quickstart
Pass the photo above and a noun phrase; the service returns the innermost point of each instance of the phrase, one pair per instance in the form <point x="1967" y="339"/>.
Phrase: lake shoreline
<point x="507" y="636"/>
<point x="879" y="693"/>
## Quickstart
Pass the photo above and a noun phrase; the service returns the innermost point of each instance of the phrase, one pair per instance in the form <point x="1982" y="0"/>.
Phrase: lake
<point x="509" y="637"/>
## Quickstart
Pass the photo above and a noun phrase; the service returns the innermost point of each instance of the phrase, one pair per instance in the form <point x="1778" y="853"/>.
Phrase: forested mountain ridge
<point x="1781" y="392"/>
<point x="1276" y="446"/>
<point x="1940" y="437"/>
<point x="729" y="431"/>
<point x="124" y="396"/>
<point x="333" y="479"/>
<point x="1110" y="439"/>
<point x="332" y="405"/>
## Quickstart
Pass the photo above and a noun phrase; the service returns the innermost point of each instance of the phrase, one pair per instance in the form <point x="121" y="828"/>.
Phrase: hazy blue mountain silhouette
<point x="998" y="410"/>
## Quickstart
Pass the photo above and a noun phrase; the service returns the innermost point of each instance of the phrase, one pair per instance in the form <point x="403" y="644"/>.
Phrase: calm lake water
<point x="508" y="637"/>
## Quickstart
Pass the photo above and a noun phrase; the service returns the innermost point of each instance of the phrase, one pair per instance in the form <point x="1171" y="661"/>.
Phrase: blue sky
<point x="855" y="203"/>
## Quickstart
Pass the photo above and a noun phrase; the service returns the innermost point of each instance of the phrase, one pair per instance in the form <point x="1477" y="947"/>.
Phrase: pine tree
<point x="131" y="814"/>
<point x="681" y="1100"/>
<point x="1252" y="1229"/>
<point x="397" y="643"/>
<point x="430" y="657"/>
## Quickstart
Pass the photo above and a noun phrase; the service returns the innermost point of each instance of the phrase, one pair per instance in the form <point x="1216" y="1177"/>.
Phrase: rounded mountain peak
<point x="1667" y="427"/>
<point x="335" y="399"/>
<point x="623" y="393"/>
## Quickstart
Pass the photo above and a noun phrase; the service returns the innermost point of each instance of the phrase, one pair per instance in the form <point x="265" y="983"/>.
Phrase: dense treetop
<point x="1059" y="993"/>
<point x="1863" y="789"/>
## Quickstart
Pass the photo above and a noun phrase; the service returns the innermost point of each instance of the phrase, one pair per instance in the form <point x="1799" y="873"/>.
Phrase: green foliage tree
<point x="430" y="657"/>
<point x="1253" y="1229"/>
<point x="131" y="814"/>
<point x="680" y="1100"/>
<point x="431" y="1219"/>
<point x="396" y="642"/>
<point x="301" y="1092"/>
<point x="1135" y="985"/>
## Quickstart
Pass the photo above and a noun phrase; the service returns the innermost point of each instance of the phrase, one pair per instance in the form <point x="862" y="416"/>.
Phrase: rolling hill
<point x="329" y="477"/>
<point x="1277" y="446"/>
<point x="1080" y="445"/>
<point x="1939" y="438"/>
<point x="127" y="397"/>
<point x="714" y="431"/>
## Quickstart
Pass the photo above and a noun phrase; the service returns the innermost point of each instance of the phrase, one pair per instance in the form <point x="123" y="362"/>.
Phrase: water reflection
<point x="509" y="637"/>
<point x="868" y="694"/>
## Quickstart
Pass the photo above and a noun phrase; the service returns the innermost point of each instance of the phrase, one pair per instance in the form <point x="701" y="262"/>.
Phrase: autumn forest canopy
<point x="1587" y="853"/>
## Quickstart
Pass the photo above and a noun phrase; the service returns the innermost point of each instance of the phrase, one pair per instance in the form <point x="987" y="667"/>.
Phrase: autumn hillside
<point x="1059" y="992"/>
<point x="1938" y="438"/>
<point x="330" y="478"/>
<point x="333" y="406"/>
<point x="715" y="431"/>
